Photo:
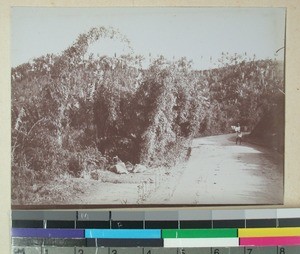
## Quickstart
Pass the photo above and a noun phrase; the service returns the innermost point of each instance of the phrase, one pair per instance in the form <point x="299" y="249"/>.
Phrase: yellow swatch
<point x="261" y="232"/>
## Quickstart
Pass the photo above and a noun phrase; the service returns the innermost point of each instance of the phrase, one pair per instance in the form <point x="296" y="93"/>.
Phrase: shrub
<point x="74" y="166"/>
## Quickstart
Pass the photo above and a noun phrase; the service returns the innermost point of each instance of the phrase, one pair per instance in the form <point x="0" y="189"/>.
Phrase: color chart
<point x="250" y="231"/>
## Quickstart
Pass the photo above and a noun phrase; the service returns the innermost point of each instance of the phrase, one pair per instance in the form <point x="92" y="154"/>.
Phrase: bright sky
<point x="200" y="34"/>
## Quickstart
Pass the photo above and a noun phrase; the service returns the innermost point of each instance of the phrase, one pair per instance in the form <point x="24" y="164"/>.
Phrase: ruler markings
<point x="221" y="250"/>
<point x="58" y="250"/>
<point x="260" y="250"/>
<point x="160" y="251"/>
<point x="288" y="249"/>
<point x="130" y="250"/>
<point x="26" y="250"/>
<point x="238" y="250"/>
<point x="203" y="250"/>
<point x="90" y="250"/>
<point x="157" y="250"/>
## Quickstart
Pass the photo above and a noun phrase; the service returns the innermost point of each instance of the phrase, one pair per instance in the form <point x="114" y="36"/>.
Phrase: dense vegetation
<point x="73" y="113"/>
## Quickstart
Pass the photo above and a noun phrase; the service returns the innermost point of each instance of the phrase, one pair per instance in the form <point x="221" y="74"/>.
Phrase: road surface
<point x="221" y="172"/>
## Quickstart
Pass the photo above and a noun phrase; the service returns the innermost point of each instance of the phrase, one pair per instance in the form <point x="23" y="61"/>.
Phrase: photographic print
<point x="147" y="106"/>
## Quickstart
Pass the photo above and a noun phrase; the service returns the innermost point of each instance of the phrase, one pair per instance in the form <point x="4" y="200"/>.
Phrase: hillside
<point x="73" y="114"/>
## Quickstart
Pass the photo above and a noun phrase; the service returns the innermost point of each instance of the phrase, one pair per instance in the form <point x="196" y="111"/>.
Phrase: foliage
<point x="242" y="92"/>
<point x="171" y="106"/>
<point x="72" y="113"/>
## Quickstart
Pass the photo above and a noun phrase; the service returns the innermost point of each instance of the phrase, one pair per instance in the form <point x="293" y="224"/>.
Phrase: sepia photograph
<point x="147" y="106"/>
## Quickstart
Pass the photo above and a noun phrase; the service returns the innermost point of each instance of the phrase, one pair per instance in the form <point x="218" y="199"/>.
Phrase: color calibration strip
<point x="169" y="237"/>
<point x="185" y="231"/>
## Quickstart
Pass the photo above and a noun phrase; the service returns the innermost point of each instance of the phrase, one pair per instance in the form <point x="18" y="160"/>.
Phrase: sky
<point x="199" y="34"/>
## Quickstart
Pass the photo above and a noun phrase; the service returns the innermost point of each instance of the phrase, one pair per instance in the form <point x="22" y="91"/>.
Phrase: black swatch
<point x="27" y="224"/>
<point x="60" y="224"/>
<point x="186" y="224"/>
<point x="289" y="222"/>
<point x="161" y="224"/>
<point x="57" y="242"/>
<point x="261" y="223"/>
<point x="228" y="223"/>
<point x="93" y="224"/>
<point x="127" y="224"/>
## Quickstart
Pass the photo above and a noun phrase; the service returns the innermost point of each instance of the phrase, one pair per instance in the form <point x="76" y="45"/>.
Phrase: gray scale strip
<point x="286" y="213"/>
<point x="44" y="215"/>
<point x="233" y="214"/>
<point x="93" y="216"/>
<point x="127" y="216"/>
<point x="161" y="216"/>
<point x="195" y="215"/>
<point x="228" y="215"/>
<point x="260" y="214"/>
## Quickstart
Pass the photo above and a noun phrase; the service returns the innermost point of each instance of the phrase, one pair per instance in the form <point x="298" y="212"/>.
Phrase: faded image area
<point x="147" y="106"/>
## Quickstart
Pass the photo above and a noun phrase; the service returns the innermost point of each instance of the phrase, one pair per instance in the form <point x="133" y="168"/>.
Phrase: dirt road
<point x="218" y="172"/>
<point x="221" y="172"/>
